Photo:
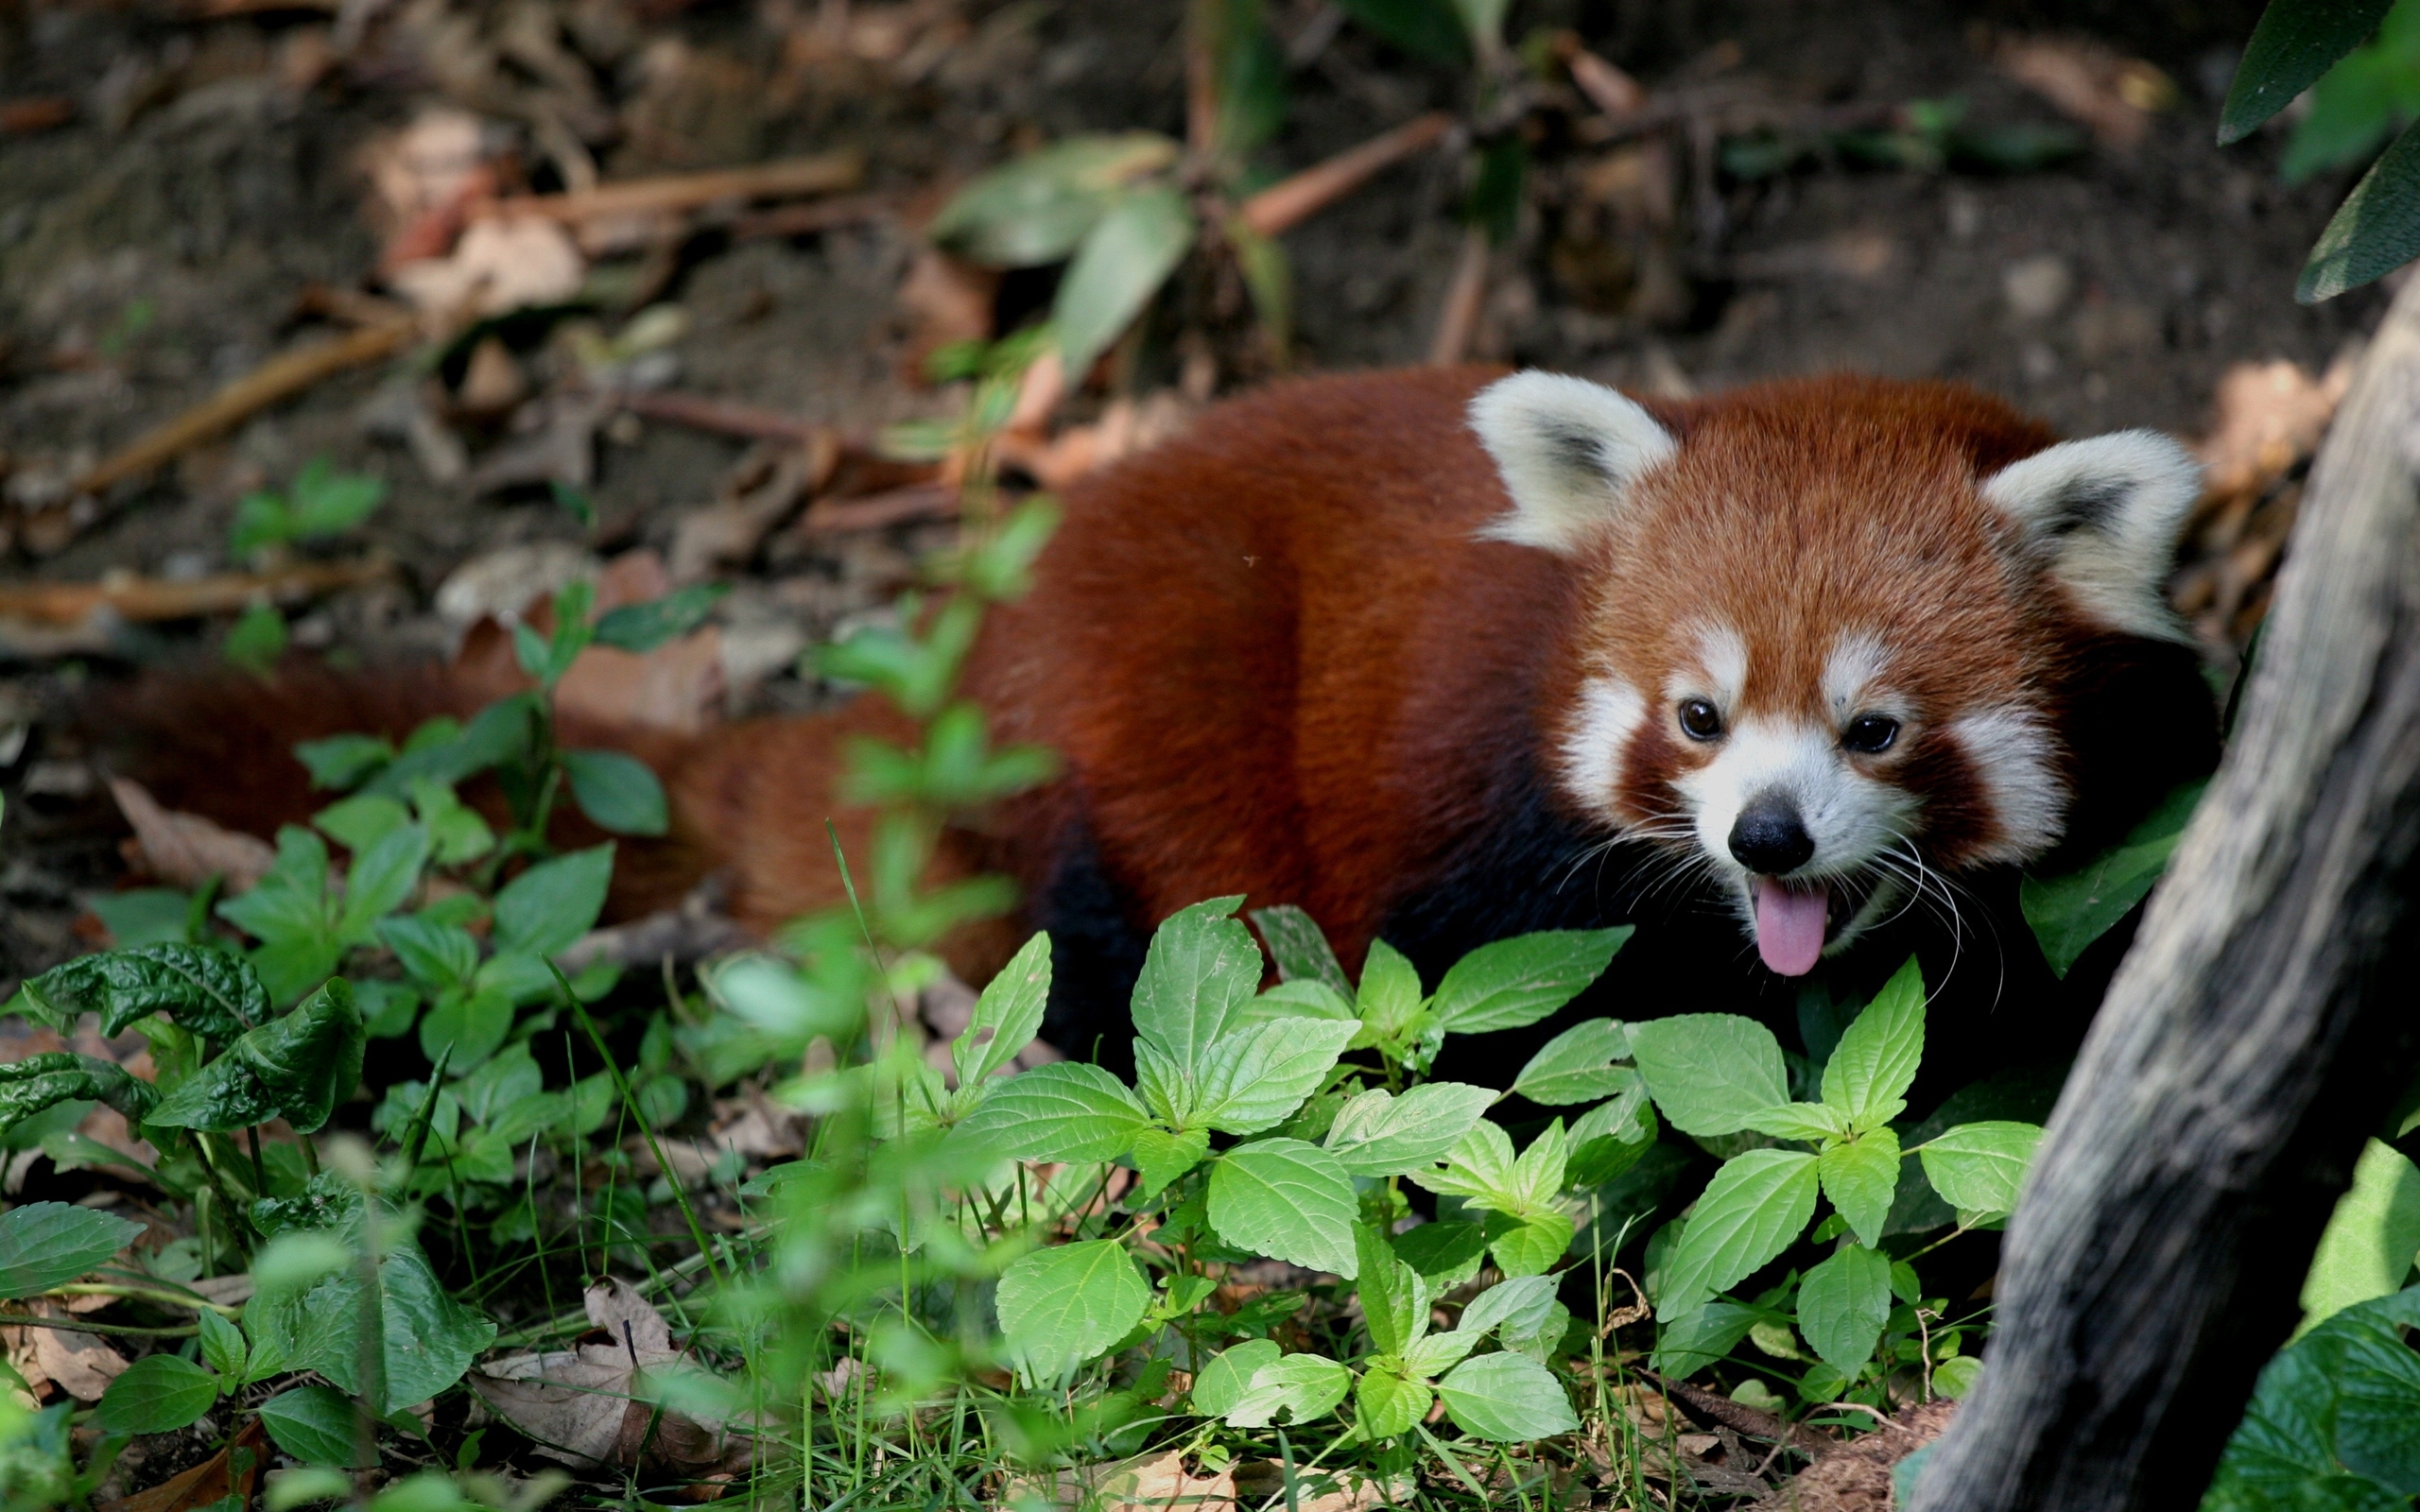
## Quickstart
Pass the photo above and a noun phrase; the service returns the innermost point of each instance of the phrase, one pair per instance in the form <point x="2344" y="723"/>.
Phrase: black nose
<point x="1769" y="836"/>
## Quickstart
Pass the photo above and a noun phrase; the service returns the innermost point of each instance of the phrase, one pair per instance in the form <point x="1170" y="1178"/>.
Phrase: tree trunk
<point x="2262" y="1026"/>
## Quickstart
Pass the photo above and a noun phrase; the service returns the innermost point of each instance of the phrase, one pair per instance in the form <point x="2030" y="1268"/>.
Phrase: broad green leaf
<point x="1300" y="950"/>
<point x="1007" y="1016"/>
<point x="1286" y="1200"/>
<point x="466" y="1027"/>
<point x="1120" y="264"/>
<point x="157" y="1394"/>
<point x="1527" y="1243"/>
<point x="1446" y="1254"/>
<point x="1874" y="1063"/>
<point x="1955" y="1376"/>
<point x="382" y="877"/>
<point x="1066" y="1110"/>
<point x="1429" y="29"/>
<point x="1709" y="1072"/>
<point x="619" y="792"/>
<point x="1861" y="1178"/>
<point x="643" y="627"/>
<point x="1036" y="209"/>
<point x="358" y="822"/>
<point x="45" y="1245"/>
<point x="1843" y="1304"/>
<point x="1164" y="1087"/>
<point x="1801" y="1121"/>
<point x="1978" y="1167"/>
<point x="1386" y="1403"/>
<point x="326" y="502"/>
<point x="1537" y="1176"/>
<point x="1378" y="1134"/>
<point x="222" y="1345"/>
<point x="297" y="1068"/>
<point x="1161" y="1156"/>
<point x="1223" y="1382"/>
<point x="2335" y="1421"/>
<point x="2069" y="912"/>
<point x="554" y="902"/>
<point x="1509" y="1398"/>
<point x="1394" y="1305"/>
<point x="1612" y="1137"/>
<point x="1062" y="1306"/>
<point x="1483" y="20"/>
<point x="426" y="1340"/>
<point x="2357" y="104"/>
<point x="340" y="761"/>
<point x="41" y="1081"/>
<point x="1300" y="1000"/>
<point x="141" y="916"/>
<point x="1518" y="980"/>
<point x="1519" y="1306"/>
<point x="2375" y="231"/>
<point x="1688" y="1344"/>
<point x="1433" y="1354"/>
<point x="1303" y="1386"/>
<point x="315" y="1425"/>
<point x="2295" y="42"/>
<point x="1577" y="1066"/>
<point x="1201" y="970"/>
<point x="1390" y="994"/>
<point x="1258" y="1074"/>
<point x="1752" y="1210"/>
<point x="210" y="991"/>
<point x="433" y="954"/>
<point x="1480" y="1165"/>
<point x="2370" y="1239"/>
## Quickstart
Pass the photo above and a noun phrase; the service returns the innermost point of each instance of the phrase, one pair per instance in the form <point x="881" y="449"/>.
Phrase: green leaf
<point x="1429" y="29"/>
<point x="1507" y="1399"/>
<point x="554" y="902"/>
<point x="1394" y="1305"/>
<point x="1843" y="1304"/>
<point x="41" y="1081"/>
<point x="326" y="502"/>
<point x="1288" y="1200"/>
<point x="315" y="1425"/>
<point x="643" y="627"/>
<point x="618" y="792"/>
<point x="1577" y="1066"/>
<point x="1305" y="1386"/>
<point x="211" y="991"/>
<point x="1861" y="1178"/>
<point x="1698" y="1336"/>
<point x="340" y="761"/>
<point x="1874" y="1063"/>
<point x="222" y="1345"/>
<point x="1444" y="1254"/>
<point x="256" y="640"/>
<point x="143" y="916"/>
<point x="1519" y="1306"/>
<point x="1388" y="1402"/>
<point x="466" y="1026"/>
<point x="1389" y="995"/>
<point x="2375" y="231"/>
<point x="157" y="1394"/>
<point x="1479" y="1166"/>
<point x="2068" y="913"/>
<point x="1433" y="1355"/>
<point x="435" y="955"/>
<point x="1978" y="1167"/>
<point x="297" y="1068"/>
<point x="1300" y="1000"/>
<point x="1223" y="1382"/>
<point x="1709" y="1072"/>
<point x="1007" y="1016"/>
<point x="1120" y="264"/>
<point x="1955" y="1376"/>
<point x="1062" y="1306"/>
<point x="2335" y="1421"/>
<point x="1066" y="1110"/>
<point x="1036" y="209"/>
<point x="1752" y="1210"/>
<point x="1378" y="1134"/>
<point x="1527" y="1244"/>
<point x="380" y="880"/>
<point x="357" y="822"/>
<point x="45" y="1245"/>
<point x="1518" y="980"/>
<point x="1203" y="967"/>
<point x="1161" y="1156"/>
<point x="2370" y="1239"/>
<point x="1300" y="950"/>
<point x="2292" y="45"/>
<point x="1258" y="1074"/>
<point x="1801" y="1121"/>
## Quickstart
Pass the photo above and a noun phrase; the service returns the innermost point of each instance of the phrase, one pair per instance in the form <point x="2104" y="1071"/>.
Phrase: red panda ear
<point x="2105" y="512"/>
<point x="1569" y="452"/>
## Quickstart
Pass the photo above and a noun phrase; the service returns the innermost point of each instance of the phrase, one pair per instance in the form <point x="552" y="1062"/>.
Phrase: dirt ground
<point x="165" y="238"/>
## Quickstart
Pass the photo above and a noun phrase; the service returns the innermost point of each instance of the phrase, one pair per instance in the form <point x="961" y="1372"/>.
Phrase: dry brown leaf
<point x="79" y="1364"/>
<point x="2270" y="416"/>
<point x="2109" y="95"/>
<point x="207" y="1483"/>
<point x="1124" y="429"/>
<point x="944" y="300"/>
<point x="676" y="687"/>
<point x="426" y="164"/>
<point x="502" y="262"/>
<point x="185" y="850"/>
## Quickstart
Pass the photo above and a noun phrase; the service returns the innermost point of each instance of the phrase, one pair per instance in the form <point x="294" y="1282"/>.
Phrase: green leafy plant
<point x="321" y="501"/>
<point x="2335" y="1421"/>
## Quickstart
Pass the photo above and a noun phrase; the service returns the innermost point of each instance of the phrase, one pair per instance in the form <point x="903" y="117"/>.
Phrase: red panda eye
<point x="1700" y="720"/>
<point x="1870" y="734"/>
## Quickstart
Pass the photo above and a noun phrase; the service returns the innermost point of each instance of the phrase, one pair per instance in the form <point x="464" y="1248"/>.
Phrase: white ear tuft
<point x="2106" y="512"/>
<point x="1568" y="450"/>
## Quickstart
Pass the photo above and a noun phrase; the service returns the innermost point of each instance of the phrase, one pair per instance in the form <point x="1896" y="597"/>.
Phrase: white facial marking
<point x="1720" y="674"/>
<point x="2011" y="751"/>
<point x="1851" y="817"/>
<point x="1609" y="714"/>
<point x="1850" y="672"/>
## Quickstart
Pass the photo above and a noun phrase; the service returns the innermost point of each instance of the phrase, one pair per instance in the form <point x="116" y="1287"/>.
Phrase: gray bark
<point x="2263" y="1025"/>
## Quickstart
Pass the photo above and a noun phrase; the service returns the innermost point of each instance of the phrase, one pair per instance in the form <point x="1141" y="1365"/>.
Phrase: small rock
<point x="2037" y="287"/>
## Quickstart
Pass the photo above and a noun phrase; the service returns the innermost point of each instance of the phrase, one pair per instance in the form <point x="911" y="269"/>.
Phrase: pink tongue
<point x="1790" y="925"/>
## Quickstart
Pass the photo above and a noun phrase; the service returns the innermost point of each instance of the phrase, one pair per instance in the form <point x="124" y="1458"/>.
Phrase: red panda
<point x="1447" y="655"/>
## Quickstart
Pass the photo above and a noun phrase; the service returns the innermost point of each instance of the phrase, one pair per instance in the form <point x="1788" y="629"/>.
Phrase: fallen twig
<point x="824" y="173"/>
<point x="720" y="416"/>
<point x="1293" y="201"/>
<point x="151" y="599"/>
<point x="1738" y="1416"/>
<point x="1459" y="320"/>
<point x="283" y="375"/>
<point x="922" y="501"/>
<point x="803" y="220"/>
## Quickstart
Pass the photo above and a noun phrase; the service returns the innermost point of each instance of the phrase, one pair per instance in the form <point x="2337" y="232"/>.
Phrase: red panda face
<point x="1827" y="627"/>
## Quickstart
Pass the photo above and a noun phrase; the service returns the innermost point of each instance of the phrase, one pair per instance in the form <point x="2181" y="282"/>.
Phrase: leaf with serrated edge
<point x="1527" y="1244"/>
<point x="1752" y="1210"/>
<point x="1377" y="1134"/>
<point x="1843" y="1304"/>
<point x="1300" y="950"/>
<point x="1800" y="1121"/>
<point x="45" y="1245"/>
<point x="1286" y="1200"/>
<point x="1394" y="1302"/>
<point x="1709" y="1072"/>
<point x="1577" y="1066"/>
<point x="1067" y="1304"/>
<point x="1980" y="1167"/>
<point x="1479" y="1166"/>
<point x="1305" y="1386"/>
<point x="1223" y="1382"/>
<point x="1066" y="1110"/>
<point x="1522" y="1302"/>
<point x="316" y="1425"/>
<point x="1388" y="1402"/>
<point x="157" y="1393"/>
<point x="1871" y="1069"/>
<point x="1506" y="1399"/>
<point x="1007" y="1016"/>
<point x="1260" y="1073"/>
<point x="1161" y="1156"/>
<point x="1521" y="980"/>
<point x="1862" y="1179"/>
<point x="1389" y="990"/>
<point x="1537" y="1176"/>
<point x="1201" y="970"/>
